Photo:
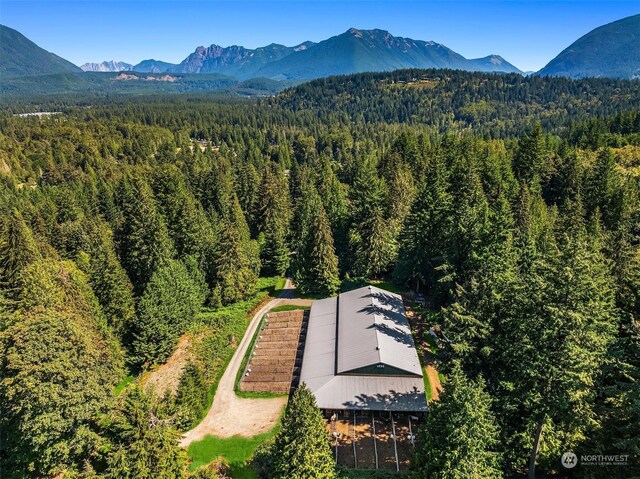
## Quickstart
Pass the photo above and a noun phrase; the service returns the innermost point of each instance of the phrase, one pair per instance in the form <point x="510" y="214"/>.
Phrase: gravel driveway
<point x="231" y="415"/>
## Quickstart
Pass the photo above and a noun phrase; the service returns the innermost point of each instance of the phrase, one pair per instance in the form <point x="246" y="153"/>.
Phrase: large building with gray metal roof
<point x="359" y="354"/>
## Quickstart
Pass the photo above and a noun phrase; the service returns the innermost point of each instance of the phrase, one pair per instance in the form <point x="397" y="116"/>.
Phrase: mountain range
<point x="19" y="56"/>
<point x="109" y="66"/>
<point x="612" y="50"/>
<point x="353" y="51"/>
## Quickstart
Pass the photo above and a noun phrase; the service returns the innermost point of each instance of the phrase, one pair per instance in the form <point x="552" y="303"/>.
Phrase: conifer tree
<point x="400" y="196"/>
<point x="564" y="312"/>
<point x="316" y="265"/>
<point x="143" y="447"/>
<point x="471" y="210"/>
<point x="424" y="240"/>
<point x="603" y="189"/>
<point x="18" y="249"/>
<point x="58" y="371"/>
<point x="374" y="246"/>
<point x="531" y="159"/>
<point x="460" y="436"/>
<point x="191" y="396"/>
<point x="247" y="186"/>
<point x="301" y="449"/>
<point x="142" y="235"/>
<point x="170" y="302"/>
<point x="273" y="221"/>
<point x="187" y="224"/>
<point x="370" y="238"/>
<point x="109" y="281"/>
<point x="304" y="197"/>
<point x="236" y="262"/>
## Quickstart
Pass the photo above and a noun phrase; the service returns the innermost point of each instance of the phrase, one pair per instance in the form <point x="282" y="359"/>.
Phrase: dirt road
<point x="231" y="415"/>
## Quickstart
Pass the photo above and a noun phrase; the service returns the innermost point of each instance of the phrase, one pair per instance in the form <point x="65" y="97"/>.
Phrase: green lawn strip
<point x="245" y="359"/>
<point x="350" y="284"/>
<point x="237" y="450"/>
<point x="259" y="395"/>
<point x="289" y="307"/>
<point x="231" y="320"/>
<point x="387" y="286"/>
<point x="279" y="286"/>
<point x="427" y="384"/>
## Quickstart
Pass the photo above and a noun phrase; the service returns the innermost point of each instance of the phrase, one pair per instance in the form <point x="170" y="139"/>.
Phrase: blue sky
<point x="526" y="33"/>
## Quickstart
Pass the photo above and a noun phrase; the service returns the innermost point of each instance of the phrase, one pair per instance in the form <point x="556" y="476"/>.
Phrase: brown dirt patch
<point x="166" y="377"/>
<point x="434" y="381"/>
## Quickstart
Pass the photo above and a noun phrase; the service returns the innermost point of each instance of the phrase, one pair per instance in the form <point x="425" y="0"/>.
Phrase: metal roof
<point x="372" y="329"/>
<point x="380" y="321"/>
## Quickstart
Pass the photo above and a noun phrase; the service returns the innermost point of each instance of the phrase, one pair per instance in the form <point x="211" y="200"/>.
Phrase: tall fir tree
<point x="424" y="241"/>
<point x="273" y="220"/>
<point x="301" y="449"/>
<point x="187" y="224"/>
<point x="143" y="447"/>
<point x="167" y="307"/>
<point x="460" y="436"/>
<point x="236" y="261"/>
<point x="142" y="234"/>
<point x="530" y="162"/>
<point x="109" y="281"/>
<point x="18" y="249"/>
<point x="315" y="268"/>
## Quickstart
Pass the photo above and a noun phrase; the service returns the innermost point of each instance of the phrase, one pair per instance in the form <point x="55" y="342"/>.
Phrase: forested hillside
<point x="512" y="204"/>
<point x="496" y="106"/>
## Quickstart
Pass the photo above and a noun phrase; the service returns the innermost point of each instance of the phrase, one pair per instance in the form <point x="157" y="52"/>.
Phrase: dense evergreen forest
<point x="512" y="204"/>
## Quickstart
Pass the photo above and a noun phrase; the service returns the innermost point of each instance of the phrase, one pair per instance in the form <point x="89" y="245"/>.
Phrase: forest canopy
<point x="511" y="203"/>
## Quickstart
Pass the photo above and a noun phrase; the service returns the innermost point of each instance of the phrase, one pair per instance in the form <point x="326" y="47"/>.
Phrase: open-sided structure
<point x="359" y="354"/>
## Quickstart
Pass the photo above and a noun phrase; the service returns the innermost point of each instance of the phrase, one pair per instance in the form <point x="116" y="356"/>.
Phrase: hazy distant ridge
<point x="19" y="56"/>
<point x="106" y="66"/>
<point x="354" y="51"/>
<point x="612" y="50"/>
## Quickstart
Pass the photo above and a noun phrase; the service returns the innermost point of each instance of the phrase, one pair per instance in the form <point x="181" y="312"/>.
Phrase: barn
<point x="359" y="354"/>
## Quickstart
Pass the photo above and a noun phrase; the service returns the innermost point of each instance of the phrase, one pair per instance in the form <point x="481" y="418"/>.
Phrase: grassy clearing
<point x="289" y="307"/>
<point x="258" y="395"/>
<point x="123" y="384"/>
<point x="387" y="286"/>
<point x="236" y="450"/>
<point x="279" y="286"/>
